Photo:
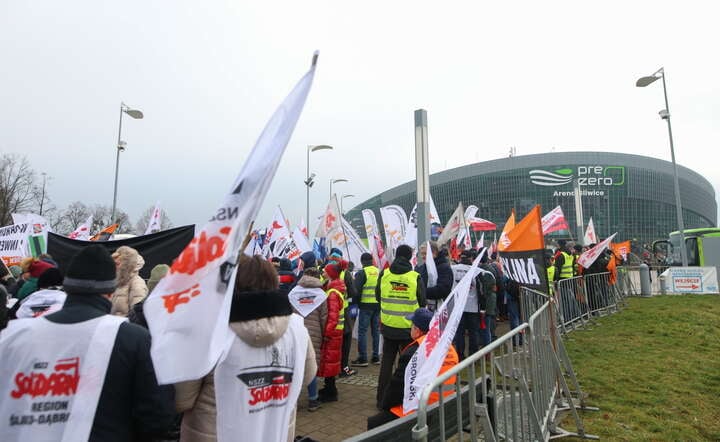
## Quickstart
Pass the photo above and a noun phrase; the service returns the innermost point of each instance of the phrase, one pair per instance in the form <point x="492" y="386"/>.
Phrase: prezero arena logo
<point x="586" y="176"/>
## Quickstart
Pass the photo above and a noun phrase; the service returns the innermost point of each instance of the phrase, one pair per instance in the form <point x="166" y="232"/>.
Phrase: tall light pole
<point x="42" y="197"/>
<point x="665" y="115"/>
<point x="341" y="202"/>
<point x="335" y="181"/>
<point x="309" y="179"/>
<point x="136" y="114"/>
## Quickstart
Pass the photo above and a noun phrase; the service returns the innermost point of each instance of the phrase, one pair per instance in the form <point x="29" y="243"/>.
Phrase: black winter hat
<point x="405" y="251"/>
<point x="91" y="271"/>
<point x="366" y="258"/>
<point x="50" y="278"/>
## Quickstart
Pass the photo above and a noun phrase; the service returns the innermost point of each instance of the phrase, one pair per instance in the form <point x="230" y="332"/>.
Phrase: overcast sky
<point x="208" y="74"/>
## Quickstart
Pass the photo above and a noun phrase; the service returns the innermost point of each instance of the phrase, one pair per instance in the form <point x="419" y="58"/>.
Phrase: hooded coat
<point x="131" y="288"/>
<point x="331" y="348"/>
<point x="316" y="320"/>
<point x="270" y="313"/>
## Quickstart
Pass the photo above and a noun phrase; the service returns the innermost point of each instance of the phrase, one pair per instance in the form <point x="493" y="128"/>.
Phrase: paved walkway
<point x="336" y="421"/>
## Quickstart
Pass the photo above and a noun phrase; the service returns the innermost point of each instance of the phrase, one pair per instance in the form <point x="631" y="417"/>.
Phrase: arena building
<point x="629" y="194"/>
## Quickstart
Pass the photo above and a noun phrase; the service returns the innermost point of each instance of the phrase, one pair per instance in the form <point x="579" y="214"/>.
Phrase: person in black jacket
<point x="286" y="276"/>
<point x="437" y="293"/>
<point x="132" y="406"/>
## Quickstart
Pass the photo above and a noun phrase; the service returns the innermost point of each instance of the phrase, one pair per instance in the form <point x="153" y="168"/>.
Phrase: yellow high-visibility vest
<point x="398" y="298"/>
<point x="566" y="271"/>
<point x="551" y="279"/>
<point x="341" y="315"/>
<point x="368" y="290"/>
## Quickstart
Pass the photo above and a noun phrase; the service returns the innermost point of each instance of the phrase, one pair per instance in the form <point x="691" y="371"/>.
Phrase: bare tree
<point x="69" y="219"/>
<point x="19" y="191"/>
<point x="142" y="223"/>
<point x="78" y="212"/>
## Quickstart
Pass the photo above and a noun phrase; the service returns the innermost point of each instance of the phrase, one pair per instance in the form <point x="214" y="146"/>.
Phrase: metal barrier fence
<point x="522" y="387"/>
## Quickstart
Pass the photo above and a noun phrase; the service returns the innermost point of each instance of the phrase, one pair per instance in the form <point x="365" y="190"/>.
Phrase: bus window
<point x="692" y="251"/>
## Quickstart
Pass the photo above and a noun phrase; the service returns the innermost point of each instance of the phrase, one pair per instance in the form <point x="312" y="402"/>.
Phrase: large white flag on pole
<point x="189" y="309"/>
<point x="454" y="224"/>
<point x="427" y="360"/>
<point x="590" y="235"/>
<point x="83" y="230"/>
<point x="154" y="221"/>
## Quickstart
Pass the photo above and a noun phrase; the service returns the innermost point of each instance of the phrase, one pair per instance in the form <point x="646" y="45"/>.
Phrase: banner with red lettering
<point x="589" y="256"/>
<point x="427" y="360"/>
<point x="554" y="220"/>
<point x="189" y="309"/>
<point x="395" y="224"/>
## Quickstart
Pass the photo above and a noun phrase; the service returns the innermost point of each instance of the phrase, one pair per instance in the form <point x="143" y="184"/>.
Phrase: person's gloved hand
<point x="353" y="310"/>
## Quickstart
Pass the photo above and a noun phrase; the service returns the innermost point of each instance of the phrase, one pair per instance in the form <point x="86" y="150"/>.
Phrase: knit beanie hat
<point x="50" y="278"/>
<point x="366" y="259"/>
<point x="38" y="267"/>
<point x="156" y="274"/>
<point x="91" y="271"/>
<point x="405" y="251"/>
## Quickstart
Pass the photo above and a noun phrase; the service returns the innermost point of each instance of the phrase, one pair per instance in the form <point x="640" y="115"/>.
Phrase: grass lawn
<point x="653" y="370"/>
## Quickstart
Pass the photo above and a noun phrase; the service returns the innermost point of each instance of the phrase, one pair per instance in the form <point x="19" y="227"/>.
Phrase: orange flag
<point x="105" y="233"/>
<point x="621" y="249"/>
<point x="523" y="252"/>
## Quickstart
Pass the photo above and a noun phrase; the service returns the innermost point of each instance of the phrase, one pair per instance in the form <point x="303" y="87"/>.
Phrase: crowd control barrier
<point x="518" y="388"/>
<point x="522" y="388"/>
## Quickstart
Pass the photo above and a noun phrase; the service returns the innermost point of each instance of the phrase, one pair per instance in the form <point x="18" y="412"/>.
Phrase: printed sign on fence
<point x="692" y="279"/>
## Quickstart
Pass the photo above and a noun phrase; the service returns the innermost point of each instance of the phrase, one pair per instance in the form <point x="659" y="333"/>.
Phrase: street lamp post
<point x="42" y="196"/>
<point x="309" y="179"/>
<point x="121" y="145"/>
<point x="334" y="181"/>
<point x="665" y="115"/>
<point x="341" y="202"/>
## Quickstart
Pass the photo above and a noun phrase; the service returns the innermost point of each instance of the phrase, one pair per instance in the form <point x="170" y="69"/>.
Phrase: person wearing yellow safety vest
<point x="400" y="291"/>
<point x="331" y="348"/>
<point x="392" y="399"/>
<point x="564" y="262"/>
<point x="369" y="316"/>
<point x="551" y="270"/>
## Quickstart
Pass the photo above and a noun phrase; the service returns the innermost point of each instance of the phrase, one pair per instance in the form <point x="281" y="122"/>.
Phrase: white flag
<point x="425" y="364"/>
<point x="590" y="236"/>
<point x="395" y="224"/>
<point x="83" y="230"/>
<point x="189" y="309"/>
<point x="430" y="266"/>
<point x="454" y="224"/>
<point x="154" y="221"/>
<point x="301" y="240"/>
<point x="280" y="243"/>
<point x="589" y="257"/>
<point x="481" y="242"/>
<point x="412" y="225"/>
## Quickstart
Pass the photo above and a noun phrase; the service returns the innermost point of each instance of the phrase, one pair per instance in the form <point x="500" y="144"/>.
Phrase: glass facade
<point x="628" y="194"/>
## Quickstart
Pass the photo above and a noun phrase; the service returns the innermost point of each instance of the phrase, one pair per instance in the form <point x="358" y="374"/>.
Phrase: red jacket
<point x="331" y="348"/>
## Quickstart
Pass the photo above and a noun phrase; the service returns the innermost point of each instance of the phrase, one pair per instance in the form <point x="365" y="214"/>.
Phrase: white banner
<point x="154" y="221"/>
<point x="589" y="257"/>
<point x="83" y="230"/>
<point x="13" y="243"/>
<point x="188" y="310"/>
<point x="590" y="236"/>
<point x="689" y="280"/>
<point x="425" y="364"/>
<point x="430" y="266"/>
<point x="305" y="299"/>
<point x="395" y="224"/>
<point x="411" y="234"/>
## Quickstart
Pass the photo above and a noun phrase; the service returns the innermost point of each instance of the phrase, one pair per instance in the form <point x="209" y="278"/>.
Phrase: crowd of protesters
<point x="395" y="303"/>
